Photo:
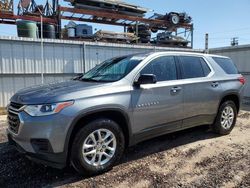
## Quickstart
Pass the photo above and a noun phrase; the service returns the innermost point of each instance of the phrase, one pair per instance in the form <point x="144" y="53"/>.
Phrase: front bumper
<point x="56" y="160"/>
<point x="42" y="139"/>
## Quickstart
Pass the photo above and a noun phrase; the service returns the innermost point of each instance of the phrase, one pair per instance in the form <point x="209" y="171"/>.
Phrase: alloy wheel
<point x="99" y="147"/>
<point x="227" y="117"/>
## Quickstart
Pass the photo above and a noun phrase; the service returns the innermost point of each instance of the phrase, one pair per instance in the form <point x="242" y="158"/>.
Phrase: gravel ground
<point x="190" y="158"/>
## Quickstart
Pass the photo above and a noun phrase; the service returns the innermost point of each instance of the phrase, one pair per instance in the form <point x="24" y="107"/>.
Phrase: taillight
<point x="242" y="80"/>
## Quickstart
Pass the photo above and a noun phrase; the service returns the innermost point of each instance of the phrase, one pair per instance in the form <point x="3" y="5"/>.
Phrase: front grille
<point x="14" y="122"/>
<point x="16" y="105"/>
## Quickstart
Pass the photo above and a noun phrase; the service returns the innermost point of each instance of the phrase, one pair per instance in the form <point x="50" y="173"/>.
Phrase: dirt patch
<point x="191" y="158"/>
<point x="3" y="126"/>
<point x="244" y="115"/>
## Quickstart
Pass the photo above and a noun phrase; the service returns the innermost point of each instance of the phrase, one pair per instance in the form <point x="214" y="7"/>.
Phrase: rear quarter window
<point x="226" y="64"/>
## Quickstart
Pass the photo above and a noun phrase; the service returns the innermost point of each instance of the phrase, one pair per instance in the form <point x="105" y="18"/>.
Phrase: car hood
<point x="54" y="92"/>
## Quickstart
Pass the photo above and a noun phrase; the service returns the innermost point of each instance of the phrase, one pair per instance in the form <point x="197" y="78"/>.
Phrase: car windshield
<point x="113" y="69"/>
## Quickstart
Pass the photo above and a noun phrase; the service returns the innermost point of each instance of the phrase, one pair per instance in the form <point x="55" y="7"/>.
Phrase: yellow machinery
<point x="6" y="5"/>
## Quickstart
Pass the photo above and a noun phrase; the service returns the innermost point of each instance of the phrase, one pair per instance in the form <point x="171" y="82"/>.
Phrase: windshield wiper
<point x="88" y="80"/>
<point x="78" y="76"/>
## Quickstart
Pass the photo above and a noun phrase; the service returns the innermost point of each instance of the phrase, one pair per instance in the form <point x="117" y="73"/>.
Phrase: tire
<point x="145" y="40"/>
<point x="154" y="30"/>
<point x="143" y="27"/>
<point x="82" y="164"/>
<point x="144" y="34"/>
<point x="130" y="29"/>
<point x="174" y="19"/>
<point x="218" y="126"/>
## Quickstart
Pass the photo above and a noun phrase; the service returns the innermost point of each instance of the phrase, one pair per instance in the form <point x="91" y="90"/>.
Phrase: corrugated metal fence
<point x="20" y="60"/>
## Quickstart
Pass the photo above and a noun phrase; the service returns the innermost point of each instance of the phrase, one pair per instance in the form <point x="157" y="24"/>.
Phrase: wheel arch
<point x="233" y="97"/>
<point x="116" y="114"/>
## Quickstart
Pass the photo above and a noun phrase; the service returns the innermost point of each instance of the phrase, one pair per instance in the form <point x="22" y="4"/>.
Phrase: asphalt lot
<point x="191" y="158"/>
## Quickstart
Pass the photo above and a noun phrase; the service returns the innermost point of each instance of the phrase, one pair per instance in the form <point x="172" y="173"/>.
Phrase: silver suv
<point x="87" y="122"/>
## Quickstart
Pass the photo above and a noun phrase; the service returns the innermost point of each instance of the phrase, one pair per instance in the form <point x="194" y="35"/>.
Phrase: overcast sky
<point x="222" y="19"/>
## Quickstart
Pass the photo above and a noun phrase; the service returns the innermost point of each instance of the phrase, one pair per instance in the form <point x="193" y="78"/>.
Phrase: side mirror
<point x="146" y="79"/>
<point x="77" y="77"/>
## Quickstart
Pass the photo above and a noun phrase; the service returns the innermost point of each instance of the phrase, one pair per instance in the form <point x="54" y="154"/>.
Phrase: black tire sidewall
<point x="76" y="154"/>
<point x="171" y="18"/>
<point x="217" y="125"/>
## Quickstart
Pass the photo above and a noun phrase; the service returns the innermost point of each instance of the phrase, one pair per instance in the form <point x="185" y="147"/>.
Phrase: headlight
<point x="46" y="109"/>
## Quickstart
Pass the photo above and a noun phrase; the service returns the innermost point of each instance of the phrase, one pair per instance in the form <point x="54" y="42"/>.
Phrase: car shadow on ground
<point x="17" y="171"/>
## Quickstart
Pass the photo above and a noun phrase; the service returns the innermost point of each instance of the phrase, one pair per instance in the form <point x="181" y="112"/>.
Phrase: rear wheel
<point x="154" y="30"/>
<point x="226" y="118"/>
<point x="174" y="19"/>
<point x="97" y="147"/>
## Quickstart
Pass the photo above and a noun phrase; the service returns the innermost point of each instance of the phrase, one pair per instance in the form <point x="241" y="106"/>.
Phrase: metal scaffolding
<point x="54" y="13"/>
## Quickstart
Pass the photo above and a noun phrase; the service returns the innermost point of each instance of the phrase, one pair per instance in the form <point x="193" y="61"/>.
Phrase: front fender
<point x="92" y="110"/>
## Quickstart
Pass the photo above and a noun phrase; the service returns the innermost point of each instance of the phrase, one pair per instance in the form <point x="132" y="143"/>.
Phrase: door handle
<point x="215" y="84"/>
<point x="175" y="89"/>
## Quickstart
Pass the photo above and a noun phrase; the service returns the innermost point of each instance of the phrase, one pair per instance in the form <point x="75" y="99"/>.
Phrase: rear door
<point x="200" y="92"/>
<point x="157" y="108"/>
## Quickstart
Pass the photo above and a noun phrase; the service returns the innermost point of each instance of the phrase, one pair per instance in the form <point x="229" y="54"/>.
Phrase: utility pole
<point x="192" y="36"/>
<point x="206" y="44"/>
<point x="235" y="41"/>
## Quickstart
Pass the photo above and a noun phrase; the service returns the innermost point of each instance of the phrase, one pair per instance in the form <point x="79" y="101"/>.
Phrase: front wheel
<point x="226" y="118"/>
<point x="97" y="147"/>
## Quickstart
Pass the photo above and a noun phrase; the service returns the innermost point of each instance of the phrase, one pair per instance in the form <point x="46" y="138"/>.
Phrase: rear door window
<point x="193" y="67"/>
<point x="226" y="64"/>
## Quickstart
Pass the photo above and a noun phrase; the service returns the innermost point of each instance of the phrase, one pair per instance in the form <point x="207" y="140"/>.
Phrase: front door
<point x="158" y="108"/>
